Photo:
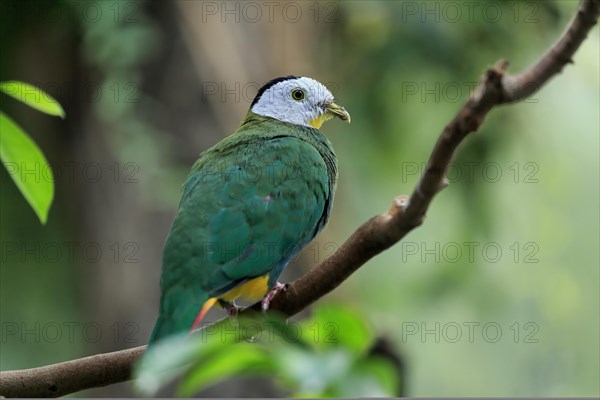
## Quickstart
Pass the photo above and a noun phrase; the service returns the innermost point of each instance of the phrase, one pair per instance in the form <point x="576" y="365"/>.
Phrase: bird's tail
<point x="179" y="321"/>
<point x="162" y="328"/>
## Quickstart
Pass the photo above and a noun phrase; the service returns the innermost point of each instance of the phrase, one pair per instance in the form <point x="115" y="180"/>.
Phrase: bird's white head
<point x="297" y="100"/>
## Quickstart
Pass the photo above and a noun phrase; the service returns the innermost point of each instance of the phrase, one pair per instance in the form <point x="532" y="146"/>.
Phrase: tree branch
<point x="374" y="236"/>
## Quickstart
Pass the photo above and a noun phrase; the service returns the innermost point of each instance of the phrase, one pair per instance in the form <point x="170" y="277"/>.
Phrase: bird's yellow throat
<point x="317" y="122"/>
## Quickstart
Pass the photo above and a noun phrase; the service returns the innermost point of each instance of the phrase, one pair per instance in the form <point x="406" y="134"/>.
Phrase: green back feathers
<point x="250" y="203"/>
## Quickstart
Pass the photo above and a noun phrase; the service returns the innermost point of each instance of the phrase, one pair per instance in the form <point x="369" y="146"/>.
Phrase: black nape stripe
<point x="269" y="84"/>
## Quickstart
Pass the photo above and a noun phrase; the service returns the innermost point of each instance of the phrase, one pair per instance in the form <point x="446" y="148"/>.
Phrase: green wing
<point x="249" y="205"/>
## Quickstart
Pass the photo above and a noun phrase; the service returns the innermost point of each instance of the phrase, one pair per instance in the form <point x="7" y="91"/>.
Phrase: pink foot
<point x="266" y="301"/>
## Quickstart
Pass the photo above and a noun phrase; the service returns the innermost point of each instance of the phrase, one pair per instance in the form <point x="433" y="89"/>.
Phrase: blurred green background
<point x="497" y="294"/>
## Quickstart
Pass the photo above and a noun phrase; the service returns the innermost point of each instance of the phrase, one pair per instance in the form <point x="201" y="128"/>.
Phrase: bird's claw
<point x="266" y="301"/>
<point x="230" y="307"/>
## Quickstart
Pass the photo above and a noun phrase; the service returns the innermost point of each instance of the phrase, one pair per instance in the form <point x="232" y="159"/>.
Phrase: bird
<point x="249" y="205"/>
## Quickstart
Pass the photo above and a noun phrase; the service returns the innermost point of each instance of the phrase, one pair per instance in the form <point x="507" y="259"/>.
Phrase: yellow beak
<point x="332" y="110"/>
<point x="338" y="111"/>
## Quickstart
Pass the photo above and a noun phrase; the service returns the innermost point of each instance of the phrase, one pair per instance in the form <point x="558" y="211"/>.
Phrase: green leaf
<point x="315" y="358"/>
<point x="335" y="326"/>
<point x="174" y="356"/>
<point x="310" y="371"/>
<point x="171" y="358"/>
<point x="27" y="166"/>
<point x="371" y="377"/>
<point x="33" y="97"/>
<point x="231" y="360"/>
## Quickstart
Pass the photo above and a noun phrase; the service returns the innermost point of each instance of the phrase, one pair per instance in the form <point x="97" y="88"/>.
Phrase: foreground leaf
<point x="233" y="360"/>
<point x="27" y="166"/>
<point x="333" y="326"/>
<point x="324" y="356"/>
<point x="33" y="97"/>
<point x="162" y="363"/>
